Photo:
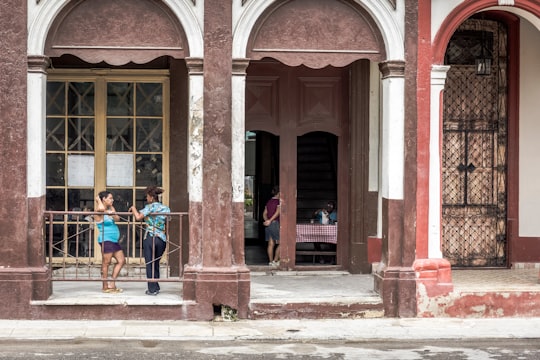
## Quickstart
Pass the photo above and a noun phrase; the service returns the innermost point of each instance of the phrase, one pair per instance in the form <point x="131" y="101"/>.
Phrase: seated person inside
<point x="328" y="215"/>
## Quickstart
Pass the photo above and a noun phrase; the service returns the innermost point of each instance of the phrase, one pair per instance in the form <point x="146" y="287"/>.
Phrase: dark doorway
<point x="300" y="106"/>
<point x="316" y="185"/>
<point x="261" y="174"/>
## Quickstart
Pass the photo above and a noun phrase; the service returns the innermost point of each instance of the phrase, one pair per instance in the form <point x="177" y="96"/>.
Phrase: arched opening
<point x="261" y="175"/>
<point x="303" y="75"/>
<point x="475" y="136"/>
<point x="117" y="110"/>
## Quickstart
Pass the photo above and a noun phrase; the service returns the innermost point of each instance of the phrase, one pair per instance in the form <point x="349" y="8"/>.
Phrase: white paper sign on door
<point x="80" y="169"/>
<point x="119" y="169"/>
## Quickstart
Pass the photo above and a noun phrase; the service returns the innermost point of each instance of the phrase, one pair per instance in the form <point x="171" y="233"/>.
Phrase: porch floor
<point x="291" y="287"/>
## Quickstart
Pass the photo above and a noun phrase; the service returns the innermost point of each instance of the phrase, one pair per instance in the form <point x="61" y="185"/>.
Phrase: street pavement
<point x="356" y="330"/>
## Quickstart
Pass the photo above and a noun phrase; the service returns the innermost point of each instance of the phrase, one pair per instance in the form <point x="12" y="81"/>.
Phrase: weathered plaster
<point x="196" y="124"/>
<point x="238" y="128"/>
<point x="41" y="17"/>
<point x="467" y="304"/>
<point x="389" y="21"/>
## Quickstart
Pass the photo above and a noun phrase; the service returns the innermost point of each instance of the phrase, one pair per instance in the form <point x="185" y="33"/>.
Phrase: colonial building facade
<point x="428" y="109"/>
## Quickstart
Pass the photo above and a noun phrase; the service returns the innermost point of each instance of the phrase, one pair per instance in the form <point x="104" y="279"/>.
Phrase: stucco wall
<point x="529" y="132"/>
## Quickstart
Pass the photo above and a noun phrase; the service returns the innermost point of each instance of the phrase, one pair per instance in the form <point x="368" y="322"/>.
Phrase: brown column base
<point x="397" y="286"/>
<point x="214" y="286"/>
<point x="22" y="285"/>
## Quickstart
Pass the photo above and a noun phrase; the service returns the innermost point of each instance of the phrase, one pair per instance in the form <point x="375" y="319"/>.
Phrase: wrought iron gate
<point x="474" y="147"/>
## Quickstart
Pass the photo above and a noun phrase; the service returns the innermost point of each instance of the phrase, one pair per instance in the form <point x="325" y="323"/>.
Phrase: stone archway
<point x="315" y="43"/>
<point x="511" y="16"/>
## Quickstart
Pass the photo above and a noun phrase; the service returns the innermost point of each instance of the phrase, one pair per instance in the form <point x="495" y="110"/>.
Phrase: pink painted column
<point x="212" y="277"/>
<point x="22" y="265"/>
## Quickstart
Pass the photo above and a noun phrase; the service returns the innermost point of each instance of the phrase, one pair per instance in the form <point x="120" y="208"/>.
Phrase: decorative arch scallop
<point x="301" y="32"/>
<point x="116" y="32"/>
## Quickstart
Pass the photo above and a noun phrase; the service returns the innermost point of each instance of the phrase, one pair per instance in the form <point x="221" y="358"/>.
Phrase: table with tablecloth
<point x="316" y="233"/>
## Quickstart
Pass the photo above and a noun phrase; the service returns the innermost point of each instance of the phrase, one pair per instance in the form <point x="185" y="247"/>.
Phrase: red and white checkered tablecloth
<point x="316" y="233"/>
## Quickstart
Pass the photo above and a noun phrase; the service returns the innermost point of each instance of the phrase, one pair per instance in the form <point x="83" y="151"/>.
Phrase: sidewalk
<point x="274" y="330"/>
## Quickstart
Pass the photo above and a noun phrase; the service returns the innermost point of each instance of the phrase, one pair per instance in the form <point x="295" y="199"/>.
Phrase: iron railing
<point x="73" y="253"/>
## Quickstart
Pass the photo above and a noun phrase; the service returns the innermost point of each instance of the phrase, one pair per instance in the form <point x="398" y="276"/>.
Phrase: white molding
<point x="393" y="137"/>
<point x="506" y="2"/>
<point x="438" y="80"/>
<point x="35" y="163"/>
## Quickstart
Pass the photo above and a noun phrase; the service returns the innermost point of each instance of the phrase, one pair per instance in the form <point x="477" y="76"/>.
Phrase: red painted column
<point x="23" y="275"/>
<point x="433" y="275"/>
<point x="423" y="126"/>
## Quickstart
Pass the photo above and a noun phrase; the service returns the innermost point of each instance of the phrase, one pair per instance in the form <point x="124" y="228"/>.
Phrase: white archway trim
<point x="533" y="19"/>
<point x="39" y="26"/>
<point x="438" y="79"/>
<point x="384" y="16"/>
<point x="192" y="23"/>
<point x="189" y="15"/>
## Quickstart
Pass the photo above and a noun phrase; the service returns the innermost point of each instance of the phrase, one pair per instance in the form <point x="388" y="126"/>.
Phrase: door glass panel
<point x="81" y="134"/>
<point x="149" y="135"/>
<point x="56" y="100"/>
<point x="120" y="134"/>
<point x="81" y="98"/>
<point x="55" y="169"/>
<point x="80" y="199"/>
<point x="123" y="198"/>
<point x="149" y="170"/>
<point x="56" y="134"/>
<point x="55" y="199"/>
<point x="149" y="99"/>
<point x="119" y="99"/>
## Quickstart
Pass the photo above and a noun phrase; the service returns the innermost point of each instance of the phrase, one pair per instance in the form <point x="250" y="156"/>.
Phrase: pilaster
<point x="395" y="277"/>
<point x="216" y="274"/>
<point x="22" y="269"/>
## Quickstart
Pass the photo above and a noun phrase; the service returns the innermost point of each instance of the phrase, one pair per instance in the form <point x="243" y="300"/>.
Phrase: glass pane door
<point x="134" y="148"/>
<point x="103" y="133"/>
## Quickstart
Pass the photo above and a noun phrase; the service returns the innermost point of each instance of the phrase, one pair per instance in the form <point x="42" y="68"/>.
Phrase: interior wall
<point x="529" y="130"/>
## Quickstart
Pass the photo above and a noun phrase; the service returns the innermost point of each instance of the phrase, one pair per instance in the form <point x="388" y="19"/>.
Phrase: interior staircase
<point x="316" y="174"/>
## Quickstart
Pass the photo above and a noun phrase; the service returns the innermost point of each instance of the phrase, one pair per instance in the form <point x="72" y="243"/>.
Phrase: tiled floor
<point x="496" y="280"/>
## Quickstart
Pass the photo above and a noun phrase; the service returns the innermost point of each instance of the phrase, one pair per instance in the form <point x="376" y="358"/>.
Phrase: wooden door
<point x="290" y="102"/>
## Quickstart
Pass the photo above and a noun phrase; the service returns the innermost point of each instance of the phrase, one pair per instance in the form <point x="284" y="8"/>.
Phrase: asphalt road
<point x="500" y="349"/>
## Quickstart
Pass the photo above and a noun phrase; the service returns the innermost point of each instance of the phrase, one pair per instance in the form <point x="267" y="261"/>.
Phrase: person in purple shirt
<point x="271" y="231"/>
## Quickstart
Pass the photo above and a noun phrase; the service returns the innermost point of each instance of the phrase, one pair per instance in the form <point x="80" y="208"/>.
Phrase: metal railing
<point x="73" y="253"/>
